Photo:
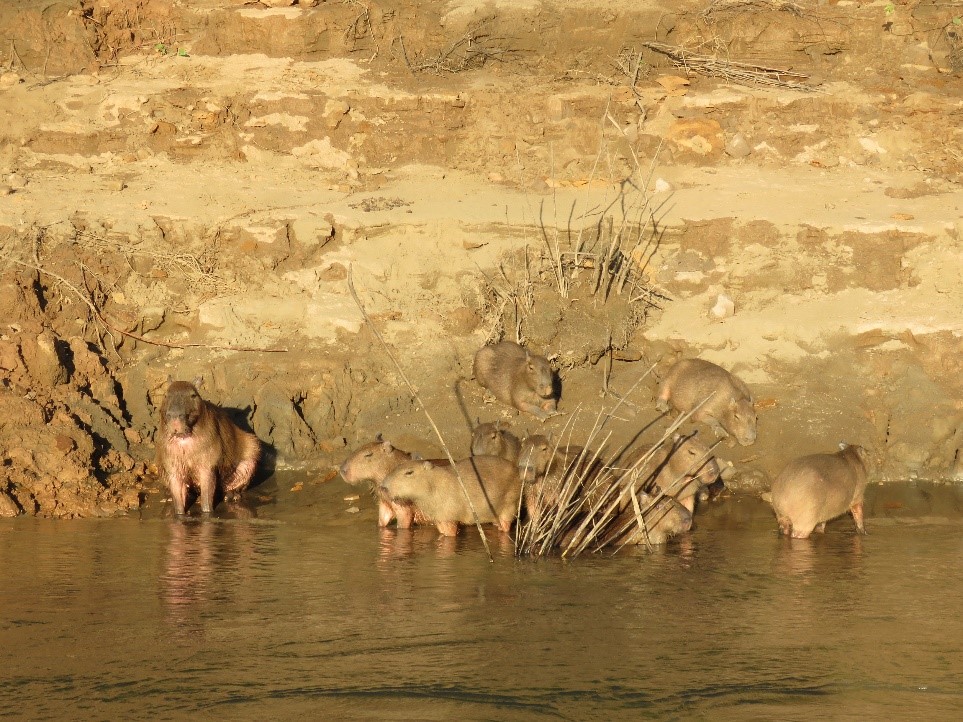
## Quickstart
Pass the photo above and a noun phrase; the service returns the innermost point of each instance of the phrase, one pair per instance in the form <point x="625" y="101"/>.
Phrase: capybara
<point x="680" y="468"/>
<point x="661" y="520"/>
<point x="492" y="440"/>
<point x="372" y="463"/>
<point x="199" y="445"/>
<point x="728" y="408"/>
<point x="517" y="377"/>
<point x="546" y="469"/>
<point x="813" y="489"/>
<point x="491" y="482"/>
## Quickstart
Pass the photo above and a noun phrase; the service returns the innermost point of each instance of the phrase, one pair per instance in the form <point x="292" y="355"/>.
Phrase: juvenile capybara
<point x="547" y="469"/>
<point x="813" y="489"/>
<point x="681" y="468"/>
<point x="372" y="463"/>
<point x="661" y="520"/>
<point x="492" y="484"/>
<point x="492" y="440"/>
<point x="728" y="408"/>
<point x="517" y="377"/>
<point x="198" y="444"/>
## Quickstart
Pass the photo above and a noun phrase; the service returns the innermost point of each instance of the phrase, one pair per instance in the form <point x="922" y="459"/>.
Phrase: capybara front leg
<point x="447" y="528"/>
<point x="206" y="482"/>
<point x="857" y="511"/>
<point x="386" y="513"/>
<point x="405" y="514"/>
<point x="178" y="486"/>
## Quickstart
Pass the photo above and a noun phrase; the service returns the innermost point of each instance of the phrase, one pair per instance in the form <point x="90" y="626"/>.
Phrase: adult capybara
<point x="492" y="440"/>
<point x="661" y="520"/>
<point x="728" y="405"/>
<point x="547" y="469"/>
<point x="681" y="469"/>
<point x="372" y="463"/>
<point x="813" y="489"/>
<point x="198" y="444"/>
<point x="491" y="482"/>
<point x="517" y="377"/>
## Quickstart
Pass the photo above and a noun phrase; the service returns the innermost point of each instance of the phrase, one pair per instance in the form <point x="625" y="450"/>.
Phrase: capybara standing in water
<point x="199" y="445"/>
<point x="681" y="468"/>
<point x="728" y="402"/>
<point x="545" y="469"/>
<point x="491" y="482"/>
<point x="373" y="462"/>
<point x="813" y="489"/>
<point x="517" y="377"/>
<point x="492" y="440"/>
<point x="662" y="520"/>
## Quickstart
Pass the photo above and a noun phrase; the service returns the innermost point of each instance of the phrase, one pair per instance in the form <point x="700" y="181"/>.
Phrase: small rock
<point x="132" y="435"/>
<point x="352" y="510"/>
<point x="16" y="181"/>
<point x="724" y="307"/>
<point x="8" y="507"/>
<point x="311" y="231"/>
<point x="334" y="111"/>
<point x="8" y="80"/>
<point x="738" y="146"/>
<point x="662" y="186"/>
<point x="496" y="177"/>
<point x="116" y="185"/>
<point x="5" y="190"/>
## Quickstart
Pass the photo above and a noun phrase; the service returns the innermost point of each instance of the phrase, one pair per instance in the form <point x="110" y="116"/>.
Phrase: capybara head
<point x="664" y="519"/>
<point x="535" y="456"/>
<point x="371" y="462"/>
<point x="859" y="454"/>
<point x="741" y="421"/>
<point x="410" y="481"/>
<point x="182" y="408"/>
<point x="540" y="377"/>
<point x="486" y="440"/>
<point x="690" y="457"/>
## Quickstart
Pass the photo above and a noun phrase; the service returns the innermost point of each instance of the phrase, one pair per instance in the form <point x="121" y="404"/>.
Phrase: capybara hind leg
<point x="821" y="528"/>
<point x="505" y="524"/>
<point x="802" y="532"/>
<point x="785" y="525"/>
<point x="447" y="528"/>
<point x="405" y="515"/>
<point x="241" y="477"/>
<point x="857" y="511"/>
<point x="385" y="513"/>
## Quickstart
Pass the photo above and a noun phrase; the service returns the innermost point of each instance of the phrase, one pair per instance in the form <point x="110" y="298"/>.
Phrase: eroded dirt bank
<point x="184" y="180"/>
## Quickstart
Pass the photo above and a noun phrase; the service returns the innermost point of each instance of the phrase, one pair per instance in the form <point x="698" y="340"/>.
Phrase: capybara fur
<point x="492" y="440"/>
<point x="547" y="470"/>
<point x="372" y="463"/>
<point x="681" y="468"/>
<point x="663" y="519"/>
<point x="517" y="377"/>
<point x="813" y="489"/>
<point x="728" y="408"/>
<point x="198" y="445"/>
<point x="491" y="482"/>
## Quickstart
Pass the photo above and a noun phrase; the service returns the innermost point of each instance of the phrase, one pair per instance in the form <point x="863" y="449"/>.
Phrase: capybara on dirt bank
<point x="517" y="377"/>
<point x="728" y="408"/>
<point x="813" y="489"/>
<point x="493" y="440"/>
<point x="198" y="444"/>
<point x="492" y="484"/>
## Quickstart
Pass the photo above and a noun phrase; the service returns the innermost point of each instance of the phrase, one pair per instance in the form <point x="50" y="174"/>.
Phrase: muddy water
<point x="302" y="609"/>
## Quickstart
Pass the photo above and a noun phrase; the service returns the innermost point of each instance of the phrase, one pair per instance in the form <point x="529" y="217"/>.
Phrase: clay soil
<point x="185" y="188"/>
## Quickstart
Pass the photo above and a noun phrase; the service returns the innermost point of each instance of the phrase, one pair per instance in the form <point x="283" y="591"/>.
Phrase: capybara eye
<point x="409" y="472"/>
<point x="368" y="455"/>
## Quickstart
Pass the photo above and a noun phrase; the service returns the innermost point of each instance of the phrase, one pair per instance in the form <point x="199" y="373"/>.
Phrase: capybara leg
<point x="535" y="410"/>
<point x="549" y="405"/>
<point x="447" y="528"/>
<point x="505" y="523"/>
<point x="857" y="511"/>
<point x="178" y="487"/>
<point x="785" y="525"/>
<point x="717" y="428"/>
<point x="801" y="532"/>
<point x="689" y="503"/>
<point x="241" y="476"/>
<point x="821" y="528"/>
<point x="206" y="482"/>
<point x="385" y="513"/>
<point x="405" y="515"/>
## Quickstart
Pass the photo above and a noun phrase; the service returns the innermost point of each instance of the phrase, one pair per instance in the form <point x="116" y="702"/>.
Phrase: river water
<point x="299" y="608"/>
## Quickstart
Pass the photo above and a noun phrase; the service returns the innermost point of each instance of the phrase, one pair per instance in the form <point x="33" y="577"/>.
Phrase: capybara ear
<point x="843" y="445"/>
<point x="386" y="445"/>
<point x="379" y="437"/>
<point x="416" y="456"/>
<point x="170" y="380"/>
<point x="427" y="465"/>
<point x="477" y="421"/>
<point x="198" y="382"/>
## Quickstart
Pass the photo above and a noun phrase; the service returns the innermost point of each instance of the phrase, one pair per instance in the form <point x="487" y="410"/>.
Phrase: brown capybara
<point x="813" y="489"/>
<point x="662" y="520"/>
<point x="492" y="440"/>
<point x="492" y="484"/>
<point x="372" y="463"/>
<point x="728" y="408"/>
<point x="517" y="377"/>
<point x="198" y="444"/>
<point x="547" y="469"/>
<point x="681" y="469"/>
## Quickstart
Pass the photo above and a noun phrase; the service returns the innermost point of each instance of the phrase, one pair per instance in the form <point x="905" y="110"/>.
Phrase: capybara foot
<point x="385" y="513"/>
<point x="447" y="528"/>
<point x="857" y="512"/>
<point x="662" y="405"/>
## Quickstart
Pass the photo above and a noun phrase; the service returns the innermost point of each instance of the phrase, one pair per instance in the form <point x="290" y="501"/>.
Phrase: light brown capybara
<point x="813" y="489"/>
<point x="372" y="463"/>
<point x="491" y="482"/>
<point x="681" y="468"/>
<point x="198" y="445"/>
<point x="662" y="520"/>
<point x="728" y="408"/>
<point x="517" y="377"/>
<point x="546" y="469"/>
<point x="492" y="440"/>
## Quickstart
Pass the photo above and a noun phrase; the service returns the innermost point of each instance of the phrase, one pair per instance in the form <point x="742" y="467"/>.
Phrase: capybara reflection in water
<point x="726" y="401"/>
<point x="813" y="489"/>
<point x="198" y="445"/>
<point x="517" y="377"/>
<point x="372" y="463"/>
<point x="491" y="482"/>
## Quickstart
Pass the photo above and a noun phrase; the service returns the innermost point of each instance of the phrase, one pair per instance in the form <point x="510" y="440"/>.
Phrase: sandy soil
<point x="184" y="187"/>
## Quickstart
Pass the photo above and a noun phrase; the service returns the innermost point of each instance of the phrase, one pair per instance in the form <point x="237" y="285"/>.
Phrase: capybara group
<point x="198" y="445"/>
<point x="726" y="402"/>
<point x="517" y="377"/>
<point x="372" y="463"/>
<point x="813" y="489"/>
<point x="492" y="485"/>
